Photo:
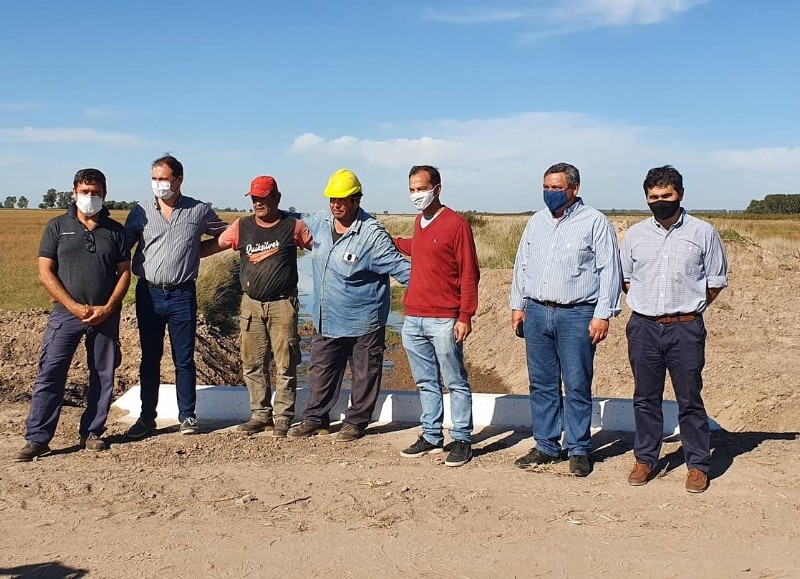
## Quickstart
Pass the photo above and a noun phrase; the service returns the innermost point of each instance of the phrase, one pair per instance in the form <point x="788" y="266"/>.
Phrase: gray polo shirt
<point x="168" y="252"/>
<point x="86" y="261"/>
<point x="669" y="271"/>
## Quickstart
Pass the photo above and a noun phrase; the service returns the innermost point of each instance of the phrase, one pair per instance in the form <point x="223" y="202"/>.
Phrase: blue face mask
<point x="555" y="200"/>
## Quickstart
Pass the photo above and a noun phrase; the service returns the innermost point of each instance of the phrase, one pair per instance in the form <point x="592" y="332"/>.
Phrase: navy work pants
<point x="61" y="338"/>
<point x="653" y="349"/>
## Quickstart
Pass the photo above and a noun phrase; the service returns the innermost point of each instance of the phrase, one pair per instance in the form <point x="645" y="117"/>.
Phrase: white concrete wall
<point x="231" y="404"/>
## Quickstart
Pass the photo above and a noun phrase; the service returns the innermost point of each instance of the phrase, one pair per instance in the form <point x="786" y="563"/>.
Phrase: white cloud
<point x="552" y="17"/>
<point x="759" y="159"/>
<point x="68" y="135"/>
<point x="497" y="163"/>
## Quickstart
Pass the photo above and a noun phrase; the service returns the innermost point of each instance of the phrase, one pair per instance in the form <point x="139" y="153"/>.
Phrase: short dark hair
<point x="433" y="173"/>
<point x="571" y="171"/>
<point x="663" y="177"/>
<point x="89" y="177"/>
<point x="171" y="162"/>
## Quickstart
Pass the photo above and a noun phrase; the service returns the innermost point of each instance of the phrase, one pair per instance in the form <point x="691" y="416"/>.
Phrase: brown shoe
<point x="281" y="428"/>
<point x="257" y="423"/>
<point x="30" y="451"/>
<point x="348" y="433"/>
<point x="92" y="443"/>
<point x="696" y="481"/>
<point x="306" y="429"/>
<point x="640" y="475"/>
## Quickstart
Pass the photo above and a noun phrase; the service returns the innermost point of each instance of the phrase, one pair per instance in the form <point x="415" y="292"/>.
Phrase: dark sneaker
<point x="141" y="429"/>
<point x="257" y="423"/>
<point x="281" y="428"/>
<point x="422" y="447"/>
<point x="640" y="475"/>
<point x="460" y="453"/>
<point x="696" y="481"/>
<point x="348" y="433"/>
<point x="306" y="429"/>
<point x="189" y="426"/>
<point x="579" y="465"/>
<point x="30" y="451"/>
<point x="92" y="443"/>
<point x="536" y="457"/>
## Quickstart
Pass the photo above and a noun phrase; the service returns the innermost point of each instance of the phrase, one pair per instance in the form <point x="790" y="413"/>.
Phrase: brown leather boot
<point x="640" y="475"/>
<point x="696" y="481"/>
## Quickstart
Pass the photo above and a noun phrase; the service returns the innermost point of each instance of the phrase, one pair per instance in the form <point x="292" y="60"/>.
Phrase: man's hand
<point x="80" y="311"/>
<point x="517" y="317"/>
<point x="598" y="330"/>
<point x="97" y="315"/>
<point x="461" y="331"/>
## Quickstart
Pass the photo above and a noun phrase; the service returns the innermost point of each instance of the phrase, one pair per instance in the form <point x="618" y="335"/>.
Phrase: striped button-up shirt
<point x="670" y="271"/>
<point x="570" y="260"/>
<point x="168" y="251"/>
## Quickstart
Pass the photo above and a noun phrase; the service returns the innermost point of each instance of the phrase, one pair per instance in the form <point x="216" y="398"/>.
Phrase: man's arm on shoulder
<point x="403" y="244"/>
<point x="386" y="259"/>
<point x="302" y="236"/>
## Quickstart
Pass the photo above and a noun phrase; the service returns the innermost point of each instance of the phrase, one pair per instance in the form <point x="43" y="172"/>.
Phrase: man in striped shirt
<point x="566" y="286"/>
<point x="673" y="266"/>
<point x="168" y="230"/>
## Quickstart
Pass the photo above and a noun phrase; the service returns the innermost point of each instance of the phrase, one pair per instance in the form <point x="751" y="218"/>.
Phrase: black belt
<point x="669" y="318"/>
<point x="171" y="287"/>
<point x="558" y="305"/>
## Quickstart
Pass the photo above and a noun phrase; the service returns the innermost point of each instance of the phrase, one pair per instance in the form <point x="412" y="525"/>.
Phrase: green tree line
<point x="776" y="203"/>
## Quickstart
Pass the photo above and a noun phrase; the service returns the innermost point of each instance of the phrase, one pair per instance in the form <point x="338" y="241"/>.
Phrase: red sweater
<point x="444" y="268"/>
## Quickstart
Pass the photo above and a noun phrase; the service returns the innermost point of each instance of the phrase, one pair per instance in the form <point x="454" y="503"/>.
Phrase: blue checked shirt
<point x="569" y="261"/>
<point x="169" y="251"/>
<point x="670" y="271"/>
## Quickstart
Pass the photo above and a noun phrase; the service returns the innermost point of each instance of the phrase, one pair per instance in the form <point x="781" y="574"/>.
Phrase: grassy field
<point x="496" y="238"/>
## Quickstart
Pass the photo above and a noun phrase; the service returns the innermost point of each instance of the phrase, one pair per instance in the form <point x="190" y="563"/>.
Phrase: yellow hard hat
<point x="342" y="183"/>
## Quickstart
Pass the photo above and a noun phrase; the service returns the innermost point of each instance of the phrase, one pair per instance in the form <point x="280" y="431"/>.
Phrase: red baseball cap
<point x="263" y="186"/>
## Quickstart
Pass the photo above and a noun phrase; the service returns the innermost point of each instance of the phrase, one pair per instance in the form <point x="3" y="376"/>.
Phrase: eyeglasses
<point x="88" y="239"/>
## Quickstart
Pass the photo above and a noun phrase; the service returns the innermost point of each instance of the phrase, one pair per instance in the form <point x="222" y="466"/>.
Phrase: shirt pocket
<point x="187" y="233"/>
<point x="576" y="262"/>
<point x="688" y="259"/>
<point x="350" y="259"/>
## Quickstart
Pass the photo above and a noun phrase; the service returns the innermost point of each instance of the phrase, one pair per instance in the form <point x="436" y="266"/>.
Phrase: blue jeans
<point x="157" y="310"/>
<point x="59" y="343"/>
<point x="558" y="346"/>
<point x="431" y="348"/>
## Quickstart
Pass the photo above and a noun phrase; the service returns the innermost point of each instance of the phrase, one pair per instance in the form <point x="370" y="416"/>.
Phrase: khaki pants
<point x="269" y="332"/>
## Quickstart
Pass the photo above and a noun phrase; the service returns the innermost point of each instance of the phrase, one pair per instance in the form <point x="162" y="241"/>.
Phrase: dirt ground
<point x="224" y="505"/>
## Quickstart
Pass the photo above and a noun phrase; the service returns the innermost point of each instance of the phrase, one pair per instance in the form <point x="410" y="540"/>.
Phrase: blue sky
<point x="491" y="93"/>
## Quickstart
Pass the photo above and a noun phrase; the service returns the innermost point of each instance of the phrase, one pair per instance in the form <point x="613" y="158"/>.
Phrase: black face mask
<point x="663" y="210"/>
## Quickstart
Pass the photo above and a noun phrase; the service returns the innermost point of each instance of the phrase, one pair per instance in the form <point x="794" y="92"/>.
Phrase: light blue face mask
<point x="555" y="200"/>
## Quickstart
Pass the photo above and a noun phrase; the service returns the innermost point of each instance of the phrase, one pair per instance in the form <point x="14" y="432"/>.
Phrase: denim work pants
<point x="432" y="349"/>
<point x="269" y="332"/>
<point x="558" y="347"/>
<point x="329" y="357"/>
<point x="653" y="349"/>
<point x="157" y="310"/>
<point x="61" y="338"/>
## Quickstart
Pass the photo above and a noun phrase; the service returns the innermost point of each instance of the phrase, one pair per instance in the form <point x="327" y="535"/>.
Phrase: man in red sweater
<point x="441" y="299"/>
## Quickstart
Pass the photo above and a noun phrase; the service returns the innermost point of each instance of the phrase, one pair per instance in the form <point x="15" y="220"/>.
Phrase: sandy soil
<point x="224" y="505"/>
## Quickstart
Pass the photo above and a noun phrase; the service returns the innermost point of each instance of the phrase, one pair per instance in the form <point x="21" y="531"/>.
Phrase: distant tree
<point x="292" y="209"/>
<point x="22" y="203"/>
<point x="10" y="202"/>
<point x="63" y="199"/>
<point x="122" y="205"/>
<point x="775" y="203"/>
<point x="386" y="213"/>
<point x="49" y="200"/>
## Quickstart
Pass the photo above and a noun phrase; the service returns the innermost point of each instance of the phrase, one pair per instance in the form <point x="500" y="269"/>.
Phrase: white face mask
<point x="421" y="199"/>
<point x="162" y="189"/>
<point x="88" y="204"/>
